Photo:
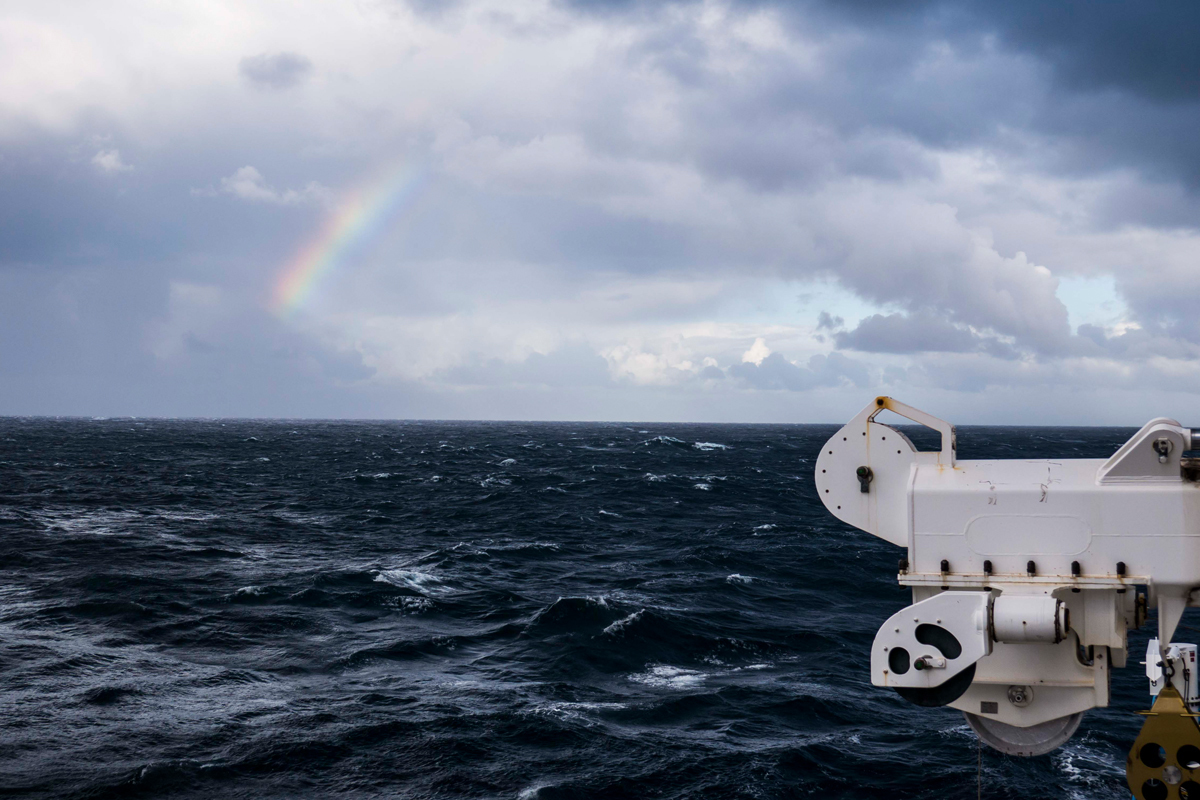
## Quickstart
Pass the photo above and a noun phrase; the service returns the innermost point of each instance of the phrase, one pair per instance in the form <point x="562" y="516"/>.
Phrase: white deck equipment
<point x="1025" y="574"/>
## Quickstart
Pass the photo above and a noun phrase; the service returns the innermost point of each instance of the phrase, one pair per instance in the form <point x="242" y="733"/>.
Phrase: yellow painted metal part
<point x="1164" y="762"/>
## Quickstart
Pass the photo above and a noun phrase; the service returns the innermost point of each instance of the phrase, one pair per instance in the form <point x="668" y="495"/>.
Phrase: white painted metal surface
<point x="1064" y="556"/>
<point x="902" y="656"/>
<point x="1029" y="618"/>
<point x="1177" y="664"/>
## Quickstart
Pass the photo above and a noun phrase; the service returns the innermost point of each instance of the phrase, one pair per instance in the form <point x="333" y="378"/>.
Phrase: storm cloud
<point x="691" y="210"/>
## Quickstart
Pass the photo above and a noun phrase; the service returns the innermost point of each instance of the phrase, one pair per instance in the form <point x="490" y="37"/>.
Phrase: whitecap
<point x="609" y="513"/>
<point x="650" y="476"/>
<point x="572" y="711"/>
<point x="664" y="677"/>
<point x="554" y="546"/>
<point x="251" y="591"/>
<point x="262" y="458"/>
<point x="702" y="486"/>
<point x="710" y="446"/>
<point x="412" y="579"/>
<point x="508" y="462"/>
<point x="620" y="625"/>
<point x="664" y="440"/>
<point x="768" y="527"/>
<point x="493" y="481"/>
<point x="736" y="578"/>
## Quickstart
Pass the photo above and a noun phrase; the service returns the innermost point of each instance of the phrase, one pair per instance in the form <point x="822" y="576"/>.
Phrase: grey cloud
<point x="766" y="148"/>
<point x="1137" y="344"/>
<point x="776" y="372"/>
<point x="1144" y="48"/>
<point x="918" y="333"/>
<point x="572" y="366"/>
<point x="275" y="70"/>
<point x="825" y="320"/>
<point x="1111" y="84"/>
<point x="1148" y="48"/>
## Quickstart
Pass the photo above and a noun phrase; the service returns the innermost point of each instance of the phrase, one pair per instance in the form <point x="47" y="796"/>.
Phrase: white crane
<point x="1026" y="576"/>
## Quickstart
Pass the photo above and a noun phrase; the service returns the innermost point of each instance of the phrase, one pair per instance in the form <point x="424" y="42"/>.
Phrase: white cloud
<point x="248" y="183"/>
<point x="109" y="162"/>
<point x="757" y="352"/>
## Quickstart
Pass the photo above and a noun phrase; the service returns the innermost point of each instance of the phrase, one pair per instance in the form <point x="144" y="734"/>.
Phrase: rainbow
<point x="361" y="216"/>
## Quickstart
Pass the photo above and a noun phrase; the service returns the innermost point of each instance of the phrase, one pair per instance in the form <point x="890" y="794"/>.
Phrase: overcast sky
<point x="704" y="211"/>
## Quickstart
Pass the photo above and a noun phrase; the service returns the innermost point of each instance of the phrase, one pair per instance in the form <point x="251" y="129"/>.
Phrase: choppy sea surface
<point x="472" y="610"/>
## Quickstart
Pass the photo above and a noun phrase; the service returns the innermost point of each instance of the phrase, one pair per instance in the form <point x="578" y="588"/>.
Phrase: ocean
<point x="271" y="609"/>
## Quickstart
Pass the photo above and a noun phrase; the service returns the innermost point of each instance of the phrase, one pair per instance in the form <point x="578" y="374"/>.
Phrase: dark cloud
<point x="906" y="152"/>
<point x="827" y="321"/>
<point x="776" y="372"/>
<point x="275" y="70"/>
<point x="1147" y="48"/>
<point x="918" y="333"/>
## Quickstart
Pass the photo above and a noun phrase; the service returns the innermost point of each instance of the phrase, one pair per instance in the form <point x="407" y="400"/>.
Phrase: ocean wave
<point x="423" y="582"/>
<point x="301" y="625"/>
<point x="491" y="481"/>
<point x="710" y="446"/>
<point x="667" y="677"/>
<point x="624" y="622"/>
<point x="669" y="440"/>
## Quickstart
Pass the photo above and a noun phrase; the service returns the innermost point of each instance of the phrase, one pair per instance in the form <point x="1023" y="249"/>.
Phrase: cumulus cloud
<point x="757" y="352"/>
<point x="275" y="71"/>
<point x="918" y="333"/>
<point x="248" y="183"/>
<point x="776" y="372"/>
<point x="625" y="202"/>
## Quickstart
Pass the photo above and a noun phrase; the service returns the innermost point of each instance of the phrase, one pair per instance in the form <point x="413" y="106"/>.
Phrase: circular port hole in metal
<point x="1152" y="755"/>
<point x="1189" y="757"/>
<point x="1189" y="790"/>
<point x="1154" y="789"/>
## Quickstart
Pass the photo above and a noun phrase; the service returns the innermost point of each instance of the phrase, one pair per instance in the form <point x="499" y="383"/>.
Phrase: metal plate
<point x="1035" y="740"/>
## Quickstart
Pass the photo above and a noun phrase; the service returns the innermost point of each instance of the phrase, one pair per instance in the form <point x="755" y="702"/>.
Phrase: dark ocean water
<point x="287" y="609"/>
